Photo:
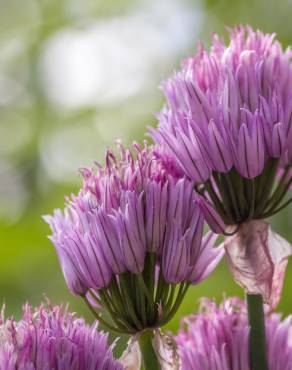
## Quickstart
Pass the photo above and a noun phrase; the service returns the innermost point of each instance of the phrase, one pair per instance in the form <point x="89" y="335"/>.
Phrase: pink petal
<point x="257" y="258"/>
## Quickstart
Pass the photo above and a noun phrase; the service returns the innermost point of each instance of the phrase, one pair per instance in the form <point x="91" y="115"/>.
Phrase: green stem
<point x="265" y="185"/>
<point x="150" y="361"/>
<point x="170" y="298"/>
<point x="217" y="202"/>
<point x="269" y="214"/>
<point x="229" y="185"/>
<point x="179" y="298"/>
<point x="104" y="322"/>
<point x="257" y="338"/>
<point x="279" y="192"/>
<point x="251" y="198"/>
<point x="148" y="276"/>
<point x="225" y="196"/>
<point x="126" y="289"/>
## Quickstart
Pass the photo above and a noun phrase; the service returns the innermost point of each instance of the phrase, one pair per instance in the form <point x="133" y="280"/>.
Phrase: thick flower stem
<point x="257" y="338"/>
<point x="149" y="358"/>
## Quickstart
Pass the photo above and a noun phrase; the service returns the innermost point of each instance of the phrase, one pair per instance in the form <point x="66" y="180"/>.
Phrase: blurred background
<point x="75" y="75"/>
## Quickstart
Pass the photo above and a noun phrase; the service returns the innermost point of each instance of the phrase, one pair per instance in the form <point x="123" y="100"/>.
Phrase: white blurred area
<point x="112" y="60"/>
<point x="113" y="64"/>
<point x="108" y="65"/>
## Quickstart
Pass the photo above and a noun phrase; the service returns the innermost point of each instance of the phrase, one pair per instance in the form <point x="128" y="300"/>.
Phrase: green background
<point x="47" y="132"/>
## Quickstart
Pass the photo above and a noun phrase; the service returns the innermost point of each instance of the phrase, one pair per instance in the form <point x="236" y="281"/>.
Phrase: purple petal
<point x="212" y="217"/>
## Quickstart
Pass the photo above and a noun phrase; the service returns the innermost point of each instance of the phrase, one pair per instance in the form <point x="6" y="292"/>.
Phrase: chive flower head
<point x="132" y="240"/>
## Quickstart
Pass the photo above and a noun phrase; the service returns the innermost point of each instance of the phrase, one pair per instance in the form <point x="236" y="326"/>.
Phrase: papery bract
<point x="257" y="258"/>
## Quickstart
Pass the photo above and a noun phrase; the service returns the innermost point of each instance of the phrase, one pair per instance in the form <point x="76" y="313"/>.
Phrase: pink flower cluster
<point x="217" y="338"/>
<point x="51" y="338"/>
<point x="125" y="211"/>
<point x="132" y="240"/>
<point x="231" y="107"/>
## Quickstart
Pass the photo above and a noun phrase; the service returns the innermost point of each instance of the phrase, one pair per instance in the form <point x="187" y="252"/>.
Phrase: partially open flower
<point x="228" y="124"/>
<point x="228" y="127"/>
<point x="132" y="240"/>
<point x="217" y="338"/>
<point x="50" y="337"/>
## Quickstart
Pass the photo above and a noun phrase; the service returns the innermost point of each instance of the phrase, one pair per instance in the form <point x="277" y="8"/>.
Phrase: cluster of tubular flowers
<point x="217" y="338"/>
<point x="51" y="338"/>
<point x="132" y="240"/>
<point x="227" y="126"/>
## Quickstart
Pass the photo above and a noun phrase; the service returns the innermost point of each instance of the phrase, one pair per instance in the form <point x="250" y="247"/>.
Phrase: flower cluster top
<point x="50" y="337"/>
<point x="132" y="206"/>
<point x="217" y="338"/>
<point x="229" y="107"/>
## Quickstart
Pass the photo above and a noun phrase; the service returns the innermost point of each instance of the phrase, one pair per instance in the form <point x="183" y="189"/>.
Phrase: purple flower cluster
<point x="131" y="242"/>
<point x="51" y="338"/>
<point x="133" y="224"/>
<point x="217" y="338"/>
<point x="231" y="107"/>
<point x="228" y="123"/>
